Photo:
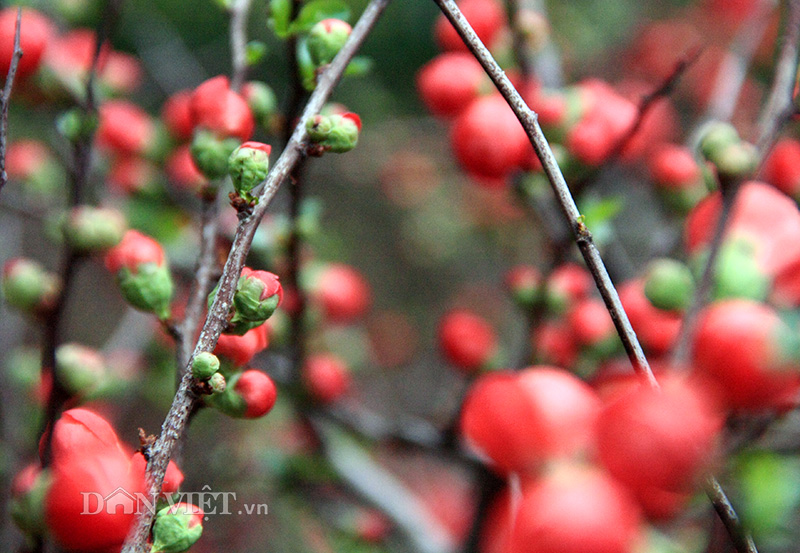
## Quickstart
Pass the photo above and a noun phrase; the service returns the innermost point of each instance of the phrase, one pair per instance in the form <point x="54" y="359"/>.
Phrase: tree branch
<point x="732" y="72"/>
<point x="184" y="400"/>
<point x="779" y="108"/>
<point x="6" y="98"/>
<point x="238" y="12"/>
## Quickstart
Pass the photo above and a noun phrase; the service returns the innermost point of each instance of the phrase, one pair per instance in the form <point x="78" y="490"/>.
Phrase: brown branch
<point x="727" y="514"/>
<point x="238" y="12"/>
<point x="294" y="247"/>
<point x="732" y="72"/>
<point x="583" y="237"/>
<point x="779" y="108"/>
<point x="6" y="98"/>
<point x="682" y="348"/>
<point x="201" y="284"/>
<point x="184" y="400"/>
<point x="647" y="103"/>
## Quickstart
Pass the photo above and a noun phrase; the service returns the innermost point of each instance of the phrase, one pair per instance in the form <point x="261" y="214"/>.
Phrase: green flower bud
<point x="79" y="369"/>
<point x="227" y="401"/>
<point x="335" y="133"/>
<point x="738" y="273"/>
<point x="177" y="528"/>
<point x="737" y="160"/>
<point x="248" y="166"/>
<point x="210" y="153"/>
<point x="716" y="136"/>
<point x="262" y="101"/>
<point x="90" y="229"/>
<point x="28" y="287"/>
<point x="326" y="38"/>
<point x="319" y="127"/>
<point x="28" y="490"/>
<point x="74" y="124"/>
<point x="149" y="289"/>
<point x="258" y="294"/>
<point x="205" y="365"/>
<point x="669" y="285"/>
<point x="217" y="383"/>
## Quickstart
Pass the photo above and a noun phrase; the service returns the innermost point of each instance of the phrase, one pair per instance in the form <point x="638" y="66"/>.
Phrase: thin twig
<point x="238" y="12"/>
<point x="184" y="400"/>
<point x="583" y="237"/>
<point x="779" y="108"/>
<point x="5" y="100"/>
<point x="732" y="72"/>
<point x="647" y="103"/>
<point x="202" y="280"/>
<point x="297" y="317"/>
<point x="727" y="514"/>
<point x="682" y="347"/>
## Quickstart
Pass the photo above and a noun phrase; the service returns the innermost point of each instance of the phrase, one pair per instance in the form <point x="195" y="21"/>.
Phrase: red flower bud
<point x="466" y="340"/>
<point x="182" y="171"/>
<point x="124" y="128"/>
<point x="96" y="484"/>
<point x="326" y="377"/>
<point x="177" y="115"/>
<point x="214" y="106"/>
<point x="450" y="82"/>
<point x="258" y="391"/>
<point x="134" y="249"/>
<point x="488" y="140"/>
<point x="271" y="284"/>
<point x="343" y="293"/>
<point x="241" y="349"/>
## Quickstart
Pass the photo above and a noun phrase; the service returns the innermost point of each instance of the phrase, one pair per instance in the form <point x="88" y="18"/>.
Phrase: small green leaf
<point x="255" y="52"/>
<point x="358" y="66"/>
<point x="596" y="212"/>
<point x="317" y="10"/>
<point x="279" y="20"/>
<point x="308" y="70"/>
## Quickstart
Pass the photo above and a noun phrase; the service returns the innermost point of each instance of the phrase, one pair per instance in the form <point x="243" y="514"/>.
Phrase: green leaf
<point x="358" y="66"/>
<point x="308" y="70"/>
<point x="281" y="11"/>
<point x="317" y="10"/>
<point x="597" y="212"/>
<point x="255" y="52"/>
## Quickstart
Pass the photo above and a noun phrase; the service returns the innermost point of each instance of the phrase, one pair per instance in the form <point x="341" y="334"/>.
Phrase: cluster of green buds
<point x="205" y="368"/>
<point x="88" y="229"/>
<point x="733" y="157"/>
